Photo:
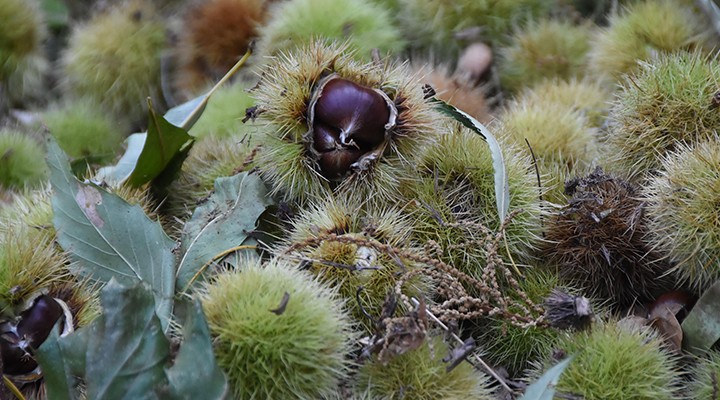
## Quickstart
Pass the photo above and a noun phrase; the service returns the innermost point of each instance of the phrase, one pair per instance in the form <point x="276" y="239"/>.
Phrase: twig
<point x="457" y="338"/>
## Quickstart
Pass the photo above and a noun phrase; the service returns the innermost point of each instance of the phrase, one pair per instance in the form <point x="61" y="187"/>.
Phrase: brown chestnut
<point x="20" y="338"/>
<point x="358" y="112"/>
<point x="325" y="138"/>
<point x="37" y="321"/>
<point x="336" y="163"/>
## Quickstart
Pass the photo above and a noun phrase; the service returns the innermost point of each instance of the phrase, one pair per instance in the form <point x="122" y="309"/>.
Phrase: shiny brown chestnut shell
<point x="21" y="337"/>
<point x="348" y="123"/>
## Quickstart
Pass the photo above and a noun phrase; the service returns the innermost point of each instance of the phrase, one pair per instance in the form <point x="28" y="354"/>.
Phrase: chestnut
<point x="20" y="338"/>
<point x="347" y="121"/>
<point x="336" y="163"/>
<point x="37" y="321"/>
<point x="358" y="112"/>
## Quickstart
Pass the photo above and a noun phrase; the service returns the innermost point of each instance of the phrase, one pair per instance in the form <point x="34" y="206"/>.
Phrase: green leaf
<point x="544" y="387"/>
<point x="108" y="238"/>
<point x="220" y="224"/>
<point x="502" y="188"/>
<point x="186" y="114"/>
<point x="163" y="143"/>
<point x="55" y="361"/>
<point x="160" y="152"/>
<point x="120" y="172"/>
<point x="56" y="13"/>
<point x="701" y="327"/>
<point x="187" y="381"/>
<point x="127" y="350"/>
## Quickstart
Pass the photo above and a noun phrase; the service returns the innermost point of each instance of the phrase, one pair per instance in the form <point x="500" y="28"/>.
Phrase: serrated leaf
<point x="222" y="223"/>
<point x="502" y="188"/>
<point x="544" y="387"/>
<point x="127" y="350"/>
<point x="186" y="380"/>
<point x="108" y="238"/>
<point x="163" y="143"/>
<point x="116" y="174"/>
<point x="701" y="327"/>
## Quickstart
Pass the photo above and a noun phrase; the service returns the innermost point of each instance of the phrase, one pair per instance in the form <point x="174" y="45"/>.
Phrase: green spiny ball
<point x="613" y="363"/>
<point x="360" y="271"/>
<point x="29" y="263"/>
<point x="456" y="191"/>
<point x="545" y="49"/>
<point x="84" y="130"/>
<point x="560" y="136"/>
<point x="224" y="114"/>
<point x="588" y="97"/>
<point x="22" y="160"/>
<point x="670" y="101"/>
<point x="305" y="158"/>
<point x="296" y="351"/>
<point x="364" y="24"/>
<point x="705" y="377"/>
<point x="684" y="212"/>
<point x="421" y="374"/>
<point x="514" y="347"/>
<point x="114" y="59"/>
<point x="433" y="25"/>
<point x="639" y="32"/>
<point x="21" y="34"/>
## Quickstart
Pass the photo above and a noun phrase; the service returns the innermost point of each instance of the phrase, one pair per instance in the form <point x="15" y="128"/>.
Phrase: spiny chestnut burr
<point x="347" y="123"/>
<point x="598" y="241"/>
<point x="20" y="338"/>
<point x="335" y="126"/>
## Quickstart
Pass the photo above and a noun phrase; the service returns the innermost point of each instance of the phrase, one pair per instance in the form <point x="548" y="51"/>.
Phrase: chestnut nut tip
<point x="348" y="121"/>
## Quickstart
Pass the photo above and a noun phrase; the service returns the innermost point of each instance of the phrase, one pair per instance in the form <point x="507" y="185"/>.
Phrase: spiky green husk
<point x="21" y="160"/>
<point x="432" y="25"/>
<point x="349" y="266"/>
<point x="21" y="34"/>
<point x="613" y="363"/>
<point x="639" y="32"/>
<point x="114" y="59"/>
<point x="283" y="95"/>
<point x="224" y="114"/>
<point x="513" y="347"/>
<point x="668" y="102"/>
<point x="83" y="130"/>
<point x="560" y="136"/>
<point x="300" y="353"/>
<point x="32" y="207"/>
<point x="704" y="383"/>
<point x="456" y="190"/>
<point x="683" y="211"/>
<point x="557" y="133"/>
<point x="421" y="374"/>
<point x="29" y="262"/>
<point x="542" y="50"/>
<point x="209" y="159"/>
<point x="588" y="97"/>
<point x="597" y="241"/>
<point x="364" y="24"/>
